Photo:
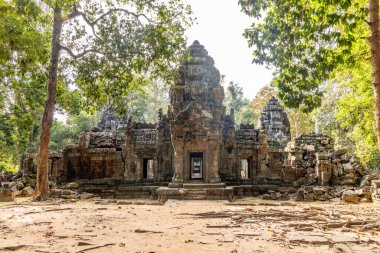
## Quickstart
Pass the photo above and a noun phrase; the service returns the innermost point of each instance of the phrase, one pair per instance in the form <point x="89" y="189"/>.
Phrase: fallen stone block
<point x="6" y="184"/>
<point x="322" y="156"/>
<point x="6" y="195"/>
<point x="27" y="192"/>
<point x="363" y="191"/>
<point x="299" y="195"/>
<point x="275" y="195"/>
<point x="61" y="192"/>
<point x="309" y="196"/>
<point x="339" y="153"/>
<point x="348" y="168"/>
<point x="86" y="195"/>
<point x="368" y="179"/>
<point x="319" y="191"/>
<point x="124" y="202"/>
<point x="72" y="185"/>
<point x="350" y="196"/>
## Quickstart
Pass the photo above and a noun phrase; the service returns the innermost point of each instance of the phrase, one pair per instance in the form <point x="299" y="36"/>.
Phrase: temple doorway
<point x="246" y="168"/>
<point x="148" y="172"/>
<point x="196" y="166"/>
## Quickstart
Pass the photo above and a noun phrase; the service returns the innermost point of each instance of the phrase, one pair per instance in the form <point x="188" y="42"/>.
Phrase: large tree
<point x="24" y="58"/>
<point x="107" y="48"/>
<point x="306" y="40"/>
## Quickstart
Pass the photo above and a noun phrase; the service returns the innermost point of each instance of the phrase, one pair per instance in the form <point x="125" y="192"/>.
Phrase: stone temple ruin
<point x="194" y="150"/>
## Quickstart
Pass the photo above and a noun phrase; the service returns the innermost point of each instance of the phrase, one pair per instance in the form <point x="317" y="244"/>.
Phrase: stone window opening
<point x="148" y="172"/>
<point x="244" y="169"/>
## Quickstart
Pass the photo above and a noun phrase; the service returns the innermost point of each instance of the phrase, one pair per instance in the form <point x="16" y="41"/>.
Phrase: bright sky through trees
<point x="220" y="26"/>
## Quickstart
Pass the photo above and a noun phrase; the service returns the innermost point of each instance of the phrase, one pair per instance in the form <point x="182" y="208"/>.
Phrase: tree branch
<point x="136" y="15"/>
<point x="77" y="13"/>
<point x="79" y="55"/>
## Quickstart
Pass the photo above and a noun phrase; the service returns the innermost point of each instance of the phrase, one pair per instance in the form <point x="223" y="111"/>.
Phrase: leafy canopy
<point x="303" y="40"/>
<point x="24" y="54"/>
<point x="115" y="47"/>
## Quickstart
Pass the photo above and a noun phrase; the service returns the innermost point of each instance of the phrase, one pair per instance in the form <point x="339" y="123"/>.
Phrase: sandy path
<point x="186" y="226"/>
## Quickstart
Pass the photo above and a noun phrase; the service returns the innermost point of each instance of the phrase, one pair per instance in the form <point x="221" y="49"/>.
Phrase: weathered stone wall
<point x="56" y="167"/>
<point x="141" y="140"/>
<point x="94" y="163"/>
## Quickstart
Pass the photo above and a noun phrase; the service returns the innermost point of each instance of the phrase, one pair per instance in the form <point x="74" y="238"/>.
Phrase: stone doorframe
<point x="196" y="157"/>
<point x="187" y="161"/>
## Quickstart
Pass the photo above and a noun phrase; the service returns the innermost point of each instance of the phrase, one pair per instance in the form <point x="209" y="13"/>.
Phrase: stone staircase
<point x="196" y="194"/>
<point x="201" y="191"/>
<point x="195" y="191"/>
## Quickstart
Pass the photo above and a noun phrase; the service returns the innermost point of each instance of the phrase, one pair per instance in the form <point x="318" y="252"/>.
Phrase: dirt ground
<point x="189" y="226"/>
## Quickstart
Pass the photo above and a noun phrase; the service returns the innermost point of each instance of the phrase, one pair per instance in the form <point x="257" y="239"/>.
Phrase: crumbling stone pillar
<point x="178" y="162"/>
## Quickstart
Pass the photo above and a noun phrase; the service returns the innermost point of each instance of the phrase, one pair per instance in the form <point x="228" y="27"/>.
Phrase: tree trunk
<point x="42" y="187"/>
<point x="375" y="60"/>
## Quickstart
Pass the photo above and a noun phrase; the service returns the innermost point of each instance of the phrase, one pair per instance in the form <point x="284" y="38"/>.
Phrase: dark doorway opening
<point x="71" y="172"/>
<point x="148" y="172"/>
<point x="196" y="165"/>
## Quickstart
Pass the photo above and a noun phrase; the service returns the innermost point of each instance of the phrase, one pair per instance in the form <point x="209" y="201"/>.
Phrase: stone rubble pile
<point x="312" y="160"/>
<point x="69" y="193"/>
<point x="24" y="187"/>
<point x="357" y="195"/>
<point x="273" y="195"/>
<point x="310" y="193"/>
<point x="8" y="176"/>
<point x="325" y="193"/>
<point x="16" y="186"/>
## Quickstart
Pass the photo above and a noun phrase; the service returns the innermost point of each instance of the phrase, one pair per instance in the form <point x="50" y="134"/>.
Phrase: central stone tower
<point x="196" y="118"/>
